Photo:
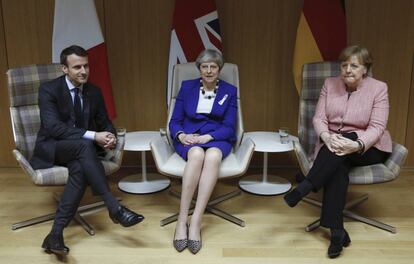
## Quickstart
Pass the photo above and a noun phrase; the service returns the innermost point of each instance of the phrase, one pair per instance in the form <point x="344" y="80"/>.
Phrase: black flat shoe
<point x="337" y="243"/>
<point x="292" y="198"/>
<point x="54" y="244"/>
<point x="126" y="217"/>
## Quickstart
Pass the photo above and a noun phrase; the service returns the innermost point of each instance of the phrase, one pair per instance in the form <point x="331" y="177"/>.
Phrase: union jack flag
<point x="195" y="28"/>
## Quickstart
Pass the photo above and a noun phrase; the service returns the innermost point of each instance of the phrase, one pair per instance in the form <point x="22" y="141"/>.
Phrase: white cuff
<point x="89" y="135"/>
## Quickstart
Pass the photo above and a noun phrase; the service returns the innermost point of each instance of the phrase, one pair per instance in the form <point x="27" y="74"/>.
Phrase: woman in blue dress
<point x="203" y="127"/>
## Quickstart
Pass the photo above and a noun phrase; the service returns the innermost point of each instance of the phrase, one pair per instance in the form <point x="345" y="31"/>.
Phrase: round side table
<point x="265" y="184"/>
<point x="145" y="182"/>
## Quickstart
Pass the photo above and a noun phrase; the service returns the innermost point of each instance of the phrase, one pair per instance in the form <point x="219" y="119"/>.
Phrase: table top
<point x="266" y="141"/>
<point x="139" y="140"/>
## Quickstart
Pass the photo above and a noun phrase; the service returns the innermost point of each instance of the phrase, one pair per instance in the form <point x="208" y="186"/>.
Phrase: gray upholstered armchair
<point x="235" y="164"/>
<point x="313" y="77"/>
<point x="23" y="85"/>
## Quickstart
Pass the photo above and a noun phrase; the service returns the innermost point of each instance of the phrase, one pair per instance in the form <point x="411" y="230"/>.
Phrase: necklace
<point x="208" y="96"/>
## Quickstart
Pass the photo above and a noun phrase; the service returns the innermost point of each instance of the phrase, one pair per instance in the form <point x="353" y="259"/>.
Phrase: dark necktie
<point x="77" y="106"/>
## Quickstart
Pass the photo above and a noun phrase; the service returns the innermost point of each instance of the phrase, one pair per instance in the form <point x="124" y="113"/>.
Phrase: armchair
<point x="313" y="76"/>
<point x="235" y="164"/>
<point x="23" y="85"/>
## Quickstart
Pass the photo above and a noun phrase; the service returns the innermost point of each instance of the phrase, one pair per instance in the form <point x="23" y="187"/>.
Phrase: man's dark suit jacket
<point x="58" y="118"/>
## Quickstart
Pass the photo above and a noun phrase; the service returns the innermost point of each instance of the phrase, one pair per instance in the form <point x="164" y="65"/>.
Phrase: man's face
<point x="77" y="69"/>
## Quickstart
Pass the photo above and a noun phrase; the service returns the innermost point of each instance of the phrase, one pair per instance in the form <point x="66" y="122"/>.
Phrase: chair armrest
<point x="163" y="132"/>
<point x="244" y="153"/>
<point x="397" y="158"/>
<point x="25" y="165"/>
<point x="304" y="163"/>
<point x="161" y="151"/>
<point x="115" y="155"/>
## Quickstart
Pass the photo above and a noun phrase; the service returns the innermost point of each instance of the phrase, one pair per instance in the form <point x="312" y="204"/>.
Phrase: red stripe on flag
<point x="216" y="42"/>
<point x="99" y="76"/>
<point x="186" y="11"/>
<point x="327" y="21"/>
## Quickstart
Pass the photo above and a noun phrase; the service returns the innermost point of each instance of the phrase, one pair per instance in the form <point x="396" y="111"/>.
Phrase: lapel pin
<point x="224" y="99"/>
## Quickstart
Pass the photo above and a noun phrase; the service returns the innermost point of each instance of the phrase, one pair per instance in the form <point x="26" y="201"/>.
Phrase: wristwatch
<point x="360" y="145"/>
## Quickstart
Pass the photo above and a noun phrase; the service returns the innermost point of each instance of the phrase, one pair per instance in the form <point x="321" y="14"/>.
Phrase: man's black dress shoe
<point x="126" y="217"/>
<point x="337" y="243"/>
<point x="293" y="198"/>
<point x="54" y="244"/>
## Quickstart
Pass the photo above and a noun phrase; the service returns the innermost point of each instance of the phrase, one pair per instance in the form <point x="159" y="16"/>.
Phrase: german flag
<point x="321" y="34"/>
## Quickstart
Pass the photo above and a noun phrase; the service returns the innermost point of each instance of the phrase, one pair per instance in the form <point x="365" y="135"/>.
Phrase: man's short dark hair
<point x="74" y="49"/>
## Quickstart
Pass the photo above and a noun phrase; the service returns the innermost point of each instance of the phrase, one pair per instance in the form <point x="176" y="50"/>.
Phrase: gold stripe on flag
<point x="306" y="50"/>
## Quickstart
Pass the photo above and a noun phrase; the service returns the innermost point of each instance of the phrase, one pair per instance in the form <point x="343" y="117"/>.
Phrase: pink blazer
<point x="365" y="111"/>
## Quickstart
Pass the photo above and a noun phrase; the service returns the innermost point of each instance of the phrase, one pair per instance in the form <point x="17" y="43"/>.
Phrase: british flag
<point x="195" y="28"/>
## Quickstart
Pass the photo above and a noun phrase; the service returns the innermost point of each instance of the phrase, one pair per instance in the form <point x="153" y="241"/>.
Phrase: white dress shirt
<point x="88" y="134"/>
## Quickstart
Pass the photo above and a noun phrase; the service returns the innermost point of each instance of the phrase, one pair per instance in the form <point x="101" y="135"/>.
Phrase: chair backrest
<point x="188" y="71"/>
<point x="23" y="86"/>
<point x="313" y="77"/>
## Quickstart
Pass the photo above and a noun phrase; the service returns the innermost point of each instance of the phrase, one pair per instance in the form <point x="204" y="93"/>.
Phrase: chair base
<point x="210" y="208"/>
<point x="350" y="204"/>
<point x="79" y="216"/>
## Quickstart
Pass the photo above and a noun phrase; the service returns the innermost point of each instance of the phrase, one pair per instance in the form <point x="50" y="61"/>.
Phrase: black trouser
<point x="330" y="172"/>
<point x="82" y="161"/>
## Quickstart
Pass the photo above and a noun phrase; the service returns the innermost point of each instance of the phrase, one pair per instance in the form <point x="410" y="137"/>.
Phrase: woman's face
<point x="209" y="72"/>
<point x="352" y="71"/>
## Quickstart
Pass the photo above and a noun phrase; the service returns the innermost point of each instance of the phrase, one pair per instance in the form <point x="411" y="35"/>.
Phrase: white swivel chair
<point x="235" y="164"/>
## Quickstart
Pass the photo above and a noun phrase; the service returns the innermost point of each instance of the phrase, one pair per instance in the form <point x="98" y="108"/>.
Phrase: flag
<point x="195" y="28"/>
<point x="321" y="34"/>
<point x="76" y="23"/>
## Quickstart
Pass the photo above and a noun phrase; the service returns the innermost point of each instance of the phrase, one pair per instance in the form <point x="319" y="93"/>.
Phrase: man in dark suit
<point x="74" y="127"/>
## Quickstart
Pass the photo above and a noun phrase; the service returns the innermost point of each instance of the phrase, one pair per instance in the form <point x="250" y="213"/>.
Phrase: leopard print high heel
<point x="180" y="244"/>
<point x="194" y="245"/>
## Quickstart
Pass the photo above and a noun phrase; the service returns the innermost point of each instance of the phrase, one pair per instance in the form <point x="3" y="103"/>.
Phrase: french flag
<point x="76" y="23"/>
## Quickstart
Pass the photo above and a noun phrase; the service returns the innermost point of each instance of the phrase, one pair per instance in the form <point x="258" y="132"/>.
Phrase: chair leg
<point x="312" y="226"/>
<point x="33" y="221"/>
<point x="350" y="204"/>
<point x="87" y="210"/>
<point x="82" y="211"/>
<point x="312" y="201"/>
<point x="226" y="216"/>
<point x="210" y="208"/>
<point x="315" y="224"/>
<point x="175" y="194"/>
<point x="224" y="197"/>
<point x="356" y="201"/>
<point x="371" y="222"/>
<point x="92" y="208"/>
<point x="80" y="220"/>
<point x="174" y="218"/>
<point x="36" y="220"/>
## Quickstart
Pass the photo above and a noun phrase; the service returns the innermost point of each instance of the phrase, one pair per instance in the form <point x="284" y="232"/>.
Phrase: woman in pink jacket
<point x="351" y="119"/>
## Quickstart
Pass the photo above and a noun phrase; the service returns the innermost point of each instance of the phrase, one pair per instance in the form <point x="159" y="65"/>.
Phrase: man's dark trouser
<point x="82" y="161"/>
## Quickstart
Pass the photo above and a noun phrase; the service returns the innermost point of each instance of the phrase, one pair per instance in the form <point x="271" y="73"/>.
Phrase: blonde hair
<point x="362" y="54"/>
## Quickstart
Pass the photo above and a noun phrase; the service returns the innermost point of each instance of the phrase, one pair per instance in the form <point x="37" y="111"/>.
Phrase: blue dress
<point x="220" y="123"/>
